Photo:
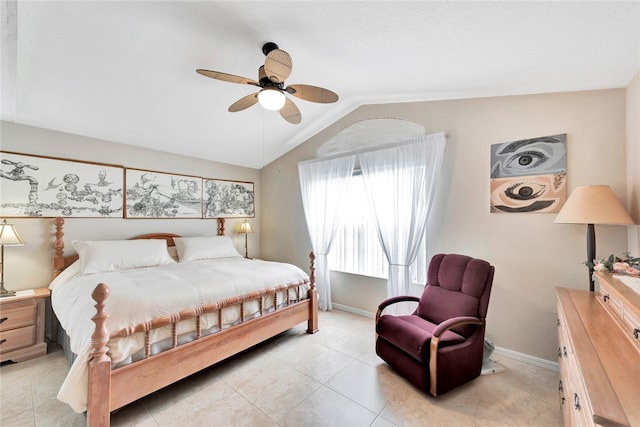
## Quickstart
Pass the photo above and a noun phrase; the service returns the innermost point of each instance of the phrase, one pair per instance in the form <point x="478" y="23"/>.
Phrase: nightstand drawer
<point x="16" y="339"/>
<point x="18" y="314"/>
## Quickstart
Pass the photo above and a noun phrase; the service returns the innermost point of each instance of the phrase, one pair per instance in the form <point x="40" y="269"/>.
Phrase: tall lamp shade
<point x="593" y="204"/>
<point x="8" y="237"/>
<point x="245" y="228"/>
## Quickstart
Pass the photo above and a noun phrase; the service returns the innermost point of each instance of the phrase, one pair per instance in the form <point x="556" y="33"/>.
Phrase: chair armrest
<point x="435" y="342"/>
<point x="393" y="300"/>
<point x="455" y="322"/>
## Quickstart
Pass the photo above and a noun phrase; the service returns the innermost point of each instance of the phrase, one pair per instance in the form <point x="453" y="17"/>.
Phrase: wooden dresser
<point x="599" y="354"/>
<point x="22" y="326"/>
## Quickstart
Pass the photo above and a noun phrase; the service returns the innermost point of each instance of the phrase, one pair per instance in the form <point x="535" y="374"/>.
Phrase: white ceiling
<point x="125" y="71"/>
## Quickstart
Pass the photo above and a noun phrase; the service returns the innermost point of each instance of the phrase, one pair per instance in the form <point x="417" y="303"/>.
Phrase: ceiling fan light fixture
<point x="271" y="99"/>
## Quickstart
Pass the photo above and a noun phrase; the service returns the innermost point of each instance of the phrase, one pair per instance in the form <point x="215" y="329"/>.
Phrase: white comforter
<point x="144" y="293"/>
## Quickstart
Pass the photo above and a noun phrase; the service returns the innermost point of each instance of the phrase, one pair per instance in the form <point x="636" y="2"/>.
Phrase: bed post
<point x="312" y="324"/>
<point x="98" y="407"/>
<point x="58" y="247"/>
<point x="220" y="226"/>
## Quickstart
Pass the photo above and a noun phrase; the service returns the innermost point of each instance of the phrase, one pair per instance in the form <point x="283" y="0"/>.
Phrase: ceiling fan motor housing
<point x="268" y="47"/>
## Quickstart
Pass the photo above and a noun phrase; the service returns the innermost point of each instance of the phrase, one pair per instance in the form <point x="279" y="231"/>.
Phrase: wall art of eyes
<point x="529" y="175"/>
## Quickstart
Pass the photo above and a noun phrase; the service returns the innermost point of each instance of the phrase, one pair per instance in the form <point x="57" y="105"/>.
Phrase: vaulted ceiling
<point x="125" y="71"/>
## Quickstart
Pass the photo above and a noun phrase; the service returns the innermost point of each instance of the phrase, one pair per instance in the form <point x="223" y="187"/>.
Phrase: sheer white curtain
<point x="323" y="184"/>
<point x="400" y="182"/>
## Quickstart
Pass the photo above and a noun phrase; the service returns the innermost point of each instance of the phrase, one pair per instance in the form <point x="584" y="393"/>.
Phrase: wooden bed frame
<point x="110" y="389"/>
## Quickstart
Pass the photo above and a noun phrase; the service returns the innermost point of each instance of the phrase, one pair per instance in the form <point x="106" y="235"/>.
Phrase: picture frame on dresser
<point x="33" y="186"/>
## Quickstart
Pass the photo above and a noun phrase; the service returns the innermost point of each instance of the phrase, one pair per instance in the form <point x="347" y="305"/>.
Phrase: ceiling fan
<point x="271" y="76"/>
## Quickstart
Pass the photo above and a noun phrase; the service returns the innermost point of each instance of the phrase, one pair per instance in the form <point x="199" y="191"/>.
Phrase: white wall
<point x="633" y="162"/>
<point x="30" y="265"/>
<point x="532" y="255"/>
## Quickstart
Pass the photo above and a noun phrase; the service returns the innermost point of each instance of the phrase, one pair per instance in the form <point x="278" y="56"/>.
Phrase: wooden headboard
<point x="60" y="261"/>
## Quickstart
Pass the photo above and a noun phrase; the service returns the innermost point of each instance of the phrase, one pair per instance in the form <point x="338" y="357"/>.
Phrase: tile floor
<point x="332" y="378"/>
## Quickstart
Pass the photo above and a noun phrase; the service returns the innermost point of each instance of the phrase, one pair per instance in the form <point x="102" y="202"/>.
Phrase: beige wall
<point x="30" y="266"/>
<point x="532" y="255"/>
<point x="633" y="162"/>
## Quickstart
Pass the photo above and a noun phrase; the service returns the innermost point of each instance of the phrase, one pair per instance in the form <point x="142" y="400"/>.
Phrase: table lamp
<point x="8" y="237"/>
<point x="245" y="229"/>
<point x="593" y="204"/>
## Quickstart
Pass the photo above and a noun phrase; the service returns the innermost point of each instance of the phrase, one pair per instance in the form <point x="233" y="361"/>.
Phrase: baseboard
<point x="522" y="357"/>
<point x="526" y="358"/>
<point x="353" y="310"/>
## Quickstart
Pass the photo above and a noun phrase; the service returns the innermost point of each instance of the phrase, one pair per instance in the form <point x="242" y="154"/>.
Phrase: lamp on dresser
<point x="593" y="204"/>
<point x="245" y="229"/>
<point x="8" y="237"/>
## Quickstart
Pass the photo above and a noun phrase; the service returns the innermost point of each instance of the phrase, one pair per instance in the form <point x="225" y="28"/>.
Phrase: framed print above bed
<point x="228" y="199"/>
<point x="41" y="187"/>
<point x="151" y="194"/>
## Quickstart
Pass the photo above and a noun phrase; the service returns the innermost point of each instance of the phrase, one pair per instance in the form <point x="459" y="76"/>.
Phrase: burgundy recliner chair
<point x="440" y="345"/>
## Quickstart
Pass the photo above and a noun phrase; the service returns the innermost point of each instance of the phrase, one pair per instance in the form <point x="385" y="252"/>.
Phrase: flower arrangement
<point x="625" y="265"/>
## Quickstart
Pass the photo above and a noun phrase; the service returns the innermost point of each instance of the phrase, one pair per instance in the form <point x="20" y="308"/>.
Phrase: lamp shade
<point x="593" y="204"/>
<point x="9" y="236"/>
<point x="246" y="228"/>
<point x="271" y="98"/>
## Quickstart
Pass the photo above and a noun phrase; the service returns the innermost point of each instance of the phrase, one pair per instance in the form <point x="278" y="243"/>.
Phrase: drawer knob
<point x="565" y="351"/>
<point x="560" y="385"/>
<point x="605" y="297"/>
<point x="3" y="340"/>
<point x="636" y="333"/>
<point x="3" y="319"/>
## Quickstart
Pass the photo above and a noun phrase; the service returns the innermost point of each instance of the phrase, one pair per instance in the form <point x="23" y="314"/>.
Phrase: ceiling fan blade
<point x="244" y="102"/>
<point x="313" y="93"/>
<point x="290" y="112"/>
<point x="278" y="65"/>
<point x="227" y="77"/>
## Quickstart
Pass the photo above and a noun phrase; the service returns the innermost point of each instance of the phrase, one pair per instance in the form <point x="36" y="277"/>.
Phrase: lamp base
<point x="4" y="292"/>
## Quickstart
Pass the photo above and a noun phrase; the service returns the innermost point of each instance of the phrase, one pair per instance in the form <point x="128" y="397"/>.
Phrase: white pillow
<point x="113" y="255"/>
<point x="195" y="248"/>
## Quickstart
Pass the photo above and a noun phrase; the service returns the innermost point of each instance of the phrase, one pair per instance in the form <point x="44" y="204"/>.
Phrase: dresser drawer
<point x="16" y="339"/>
<point x="17" y="315"/>
<point x="611" y="299"/>
<point x="631" y="321"/>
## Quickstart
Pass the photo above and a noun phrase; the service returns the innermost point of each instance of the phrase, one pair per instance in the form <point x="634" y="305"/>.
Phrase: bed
<point x="144" y="313"/>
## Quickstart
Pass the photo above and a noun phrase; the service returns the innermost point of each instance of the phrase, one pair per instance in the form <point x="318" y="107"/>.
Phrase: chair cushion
<point x="412" y="334"/>
<point x="455" y="285"/>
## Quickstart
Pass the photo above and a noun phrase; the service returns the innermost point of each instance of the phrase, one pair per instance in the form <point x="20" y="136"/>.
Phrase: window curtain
<point x="323" y="184"/>
<point x="400" y="182"/>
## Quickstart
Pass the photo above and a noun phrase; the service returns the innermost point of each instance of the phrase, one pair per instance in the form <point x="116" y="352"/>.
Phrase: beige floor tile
<point x="369" y="386"/>
<point x="330" y="378"/>
<point x="381" y="422"/>
<point x="214" y="404"/>
<point x="325" y="407"/>
<point x="272" y="386"/>
<point x="314" y="360"/>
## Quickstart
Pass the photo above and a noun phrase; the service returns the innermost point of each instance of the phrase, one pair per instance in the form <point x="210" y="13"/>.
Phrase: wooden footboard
<point x="110" y="389"/>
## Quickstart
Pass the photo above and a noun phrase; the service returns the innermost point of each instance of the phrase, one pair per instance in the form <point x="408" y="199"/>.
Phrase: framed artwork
<point x="151" y="194"/>
<point x="529" y="175"/>
<point x="43" y="187"/>
<point x="228" y="199"/>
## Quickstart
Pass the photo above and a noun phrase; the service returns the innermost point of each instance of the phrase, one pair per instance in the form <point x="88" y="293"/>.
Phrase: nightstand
<point x="22" y="325"/>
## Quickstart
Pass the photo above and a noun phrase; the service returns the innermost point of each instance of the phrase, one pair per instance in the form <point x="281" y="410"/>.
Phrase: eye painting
<point x="539" y="193"/>
<point x="535" y="156"/>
